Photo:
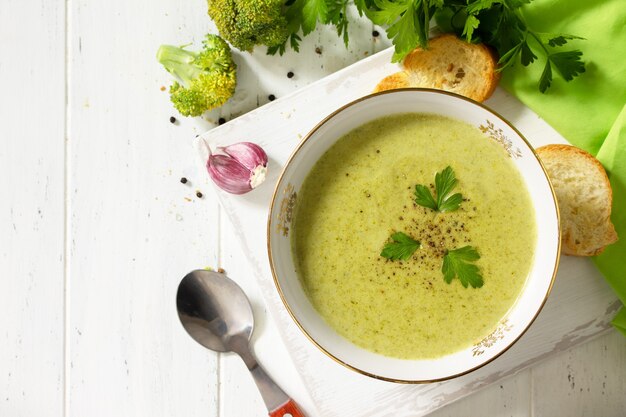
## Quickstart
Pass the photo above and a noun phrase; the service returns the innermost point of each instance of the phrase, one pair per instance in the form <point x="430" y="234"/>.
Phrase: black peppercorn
<point x="221" y="120"/>
<point x="172" y="119"/>
<point x="183" y="180"/>
<point x="198" y="194"/>
<point x="271" y="97"/>
<point x="290" y="74"/>
<point x="375" y="34"/>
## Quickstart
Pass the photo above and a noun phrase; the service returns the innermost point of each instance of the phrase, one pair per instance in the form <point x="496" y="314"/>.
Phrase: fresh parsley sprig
<point x="457" y="264"/>
<point x="498" y="23"/>
<point x="568" y="63"/>
<point x="501" y="24"/>
<point x="402" y="247"/>
<point x="445" y="181"/>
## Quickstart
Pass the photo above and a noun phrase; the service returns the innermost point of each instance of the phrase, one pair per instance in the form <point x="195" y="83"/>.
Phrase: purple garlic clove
<point x="243" y="168"/>
<point x="247" y="154"/>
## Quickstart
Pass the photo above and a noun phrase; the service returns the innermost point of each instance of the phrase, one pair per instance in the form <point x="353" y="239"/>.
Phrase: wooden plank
<point x="238" y="394"/>
<point x="321" y="54"/>
<point x="136" y="230"/>
<point x="589" y="380"/>
<point x="509" y="397"/>
<point x="32" y="119"/>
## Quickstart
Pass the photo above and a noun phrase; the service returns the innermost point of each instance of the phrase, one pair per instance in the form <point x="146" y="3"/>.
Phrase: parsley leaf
<point x="546" y="77"/>
<point x="527" y="56"/>
<point x="337" y="15"/>
<point x="445" y="181"/>
<point x="404" y="33"/>
<point x="408" y="21"/>
<point x="456" y="263"/>
<point x="402" y="247"/>
<point x="471" y="24"/>
<point x="312" y="11"/>
<point x="567" y="63"/>
<point x="424" y="198"/>
<point x="557" y="40"/>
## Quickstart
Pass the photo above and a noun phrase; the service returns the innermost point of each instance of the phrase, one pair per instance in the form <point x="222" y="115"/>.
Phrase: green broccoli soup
<point x="413" y="235"/>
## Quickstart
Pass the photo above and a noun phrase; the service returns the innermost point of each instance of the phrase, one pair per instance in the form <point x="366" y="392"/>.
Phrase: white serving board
<point x="580" y="307"/>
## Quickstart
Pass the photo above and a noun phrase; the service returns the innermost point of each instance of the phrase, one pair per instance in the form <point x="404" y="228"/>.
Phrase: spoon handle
<point x="289" y="409"/>
<point x="276" y="400"/>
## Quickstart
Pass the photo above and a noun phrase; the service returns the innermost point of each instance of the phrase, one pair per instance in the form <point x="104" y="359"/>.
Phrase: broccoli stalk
<point x="246" y="23"/>
<point x="206" y="79"/>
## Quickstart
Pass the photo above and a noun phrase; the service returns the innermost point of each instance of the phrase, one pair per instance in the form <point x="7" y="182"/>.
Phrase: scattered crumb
<point x="221" y="270"/>
<point x="318" y="50"/>
<point x="162" y="88"/>
<point x="188" y="199"/>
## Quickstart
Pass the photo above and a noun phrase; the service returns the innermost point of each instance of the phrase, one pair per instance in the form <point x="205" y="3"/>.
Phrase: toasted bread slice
<point x="449" y="64"/>
<point x="584" y="195"/>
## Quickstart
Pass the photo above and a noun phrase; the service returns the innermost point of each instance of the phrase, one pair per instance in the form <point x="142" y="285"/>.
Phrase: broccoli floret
<point x="206" y="79"/>
<point x="245" y="23"/>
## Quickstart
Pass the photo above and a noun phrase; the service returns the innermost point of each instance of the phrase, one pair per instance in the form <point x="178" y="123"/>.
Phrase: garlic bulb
<point x="241" y="169"/>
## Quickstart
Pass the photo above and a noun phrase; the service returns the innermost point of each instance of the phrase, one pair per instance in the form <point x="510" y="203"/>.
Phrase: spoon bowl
<point x="216" y="313"/>
<point x="214" y="310"/>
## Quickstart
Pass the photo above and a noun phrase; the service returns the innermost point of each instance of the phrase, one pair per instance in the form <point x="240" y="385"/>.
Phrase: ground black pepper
<point x="172" y="119"/>
<point x="290" y="74"/>
<point x="375" y="34"/>
<point x="183" y="180"/>
<point x="198" y="194"/>
<point x="221" y="120"/>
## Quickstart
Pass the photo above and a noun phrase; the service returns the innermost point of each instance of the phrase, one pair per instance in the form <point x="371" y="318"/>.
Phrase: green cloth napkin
<point x="590" y="111"/>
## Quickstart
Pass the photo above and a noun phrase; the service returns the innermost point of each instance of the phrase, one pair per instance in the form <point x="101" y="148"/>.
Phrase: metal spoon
<point x="217" y="314"/>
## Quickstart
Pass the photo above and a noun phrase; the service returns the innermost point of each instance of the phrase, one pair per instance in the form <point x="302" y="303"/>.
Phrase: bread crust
<point x="393" y="81"/>
<point x="579" y="235"/>
<point x="449" y="64"/>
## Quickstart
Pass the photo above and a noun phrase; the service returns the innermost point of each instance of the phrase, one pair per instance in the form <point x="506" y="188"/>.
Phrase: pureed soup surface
<point x="362" y="191"/>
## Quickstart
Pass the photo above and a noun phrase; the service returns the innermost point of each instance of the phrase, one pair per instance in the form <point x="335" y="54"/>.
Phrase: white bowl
<point x="537" y="286"/>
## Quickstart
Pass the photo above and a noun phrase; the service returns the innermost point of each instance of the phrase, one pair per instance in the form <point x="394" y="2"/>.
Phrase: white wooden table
<point x="96" y="230"/>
